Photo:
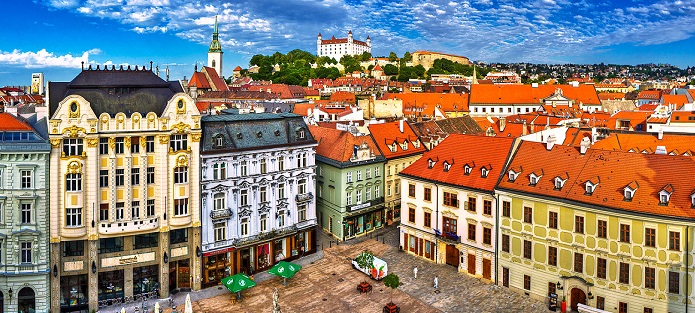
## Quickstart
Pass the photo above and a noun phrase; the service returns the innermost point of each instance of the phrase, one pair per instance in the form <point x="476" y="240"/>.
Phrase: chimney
<point x="400" y="125"/>
<point x="660" y="134"/>
<point x="584" y="145"/>
<point x="550" y="142"/>
<point x="503" y="123"/>
<point x="534" y="85"/>
<point x="524" y="131"/>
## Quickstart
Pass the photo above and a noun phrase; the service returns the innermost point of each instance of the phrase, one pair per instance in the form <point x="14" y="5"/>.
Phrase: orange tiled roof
<point x="213" y="76"/>
<point x="458" y="151"/>
<point x="427" y="101"/>
<point x="634" y="117"/>
<point x="613" y="171"/>
<point x="199" y="81"/>
<point x="682" y="117"/>
<point x="527" y="94"/>
<point x="9" y="122"/>
<point x="343" y="96"/>
<point x="649" y="94"/>
<point x="639" y="142"/>
<point x="237" y="68"/>
<point x="338" y="145"/>
<point x="678" y="100"/>
<point x="611" y="95"/>
<point x="385" y="134"/>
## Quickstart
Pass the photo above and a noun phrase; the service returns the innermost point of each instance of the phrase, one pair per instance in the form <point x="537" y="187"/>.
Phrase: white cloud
<point x="43" y="58"/>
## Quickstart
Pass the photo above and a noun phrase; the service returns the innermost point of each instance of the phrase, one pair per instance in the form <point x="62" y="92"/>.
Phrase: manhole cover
<point x="333" y="274"/>
<point x="341" y="280"/>
<point x="381" y="290"/>
<point x="324" y="299"/>
<point x="219" y="287"/>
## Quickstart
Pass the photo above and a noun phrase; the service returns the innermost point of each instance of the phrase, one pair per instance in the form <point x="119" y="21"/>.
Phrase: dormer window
<point x="628" y="193"/>
<point x="416" y="144"/>
<point x="589" y="188"/>
<point x="467" y="169"/>
<point x="512" y="176"/>
<point x="393" y="147"/>
<point x="484" y="172"/>
<point x="559" y="182"/>
<point x="218" y="141"/>
<point x="301" y="133"/>
<point x="430" y="163"/>
<point x="692" y="200"/>
<point x="404" y="145"/>
<point x="533" y="179"/>
<point x="447" y="166"/>
<point x="665" y="194"/>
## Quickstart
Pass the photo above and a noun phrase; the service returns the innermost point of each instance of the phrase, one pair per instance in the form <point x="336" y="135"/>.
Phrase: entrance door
<point x="505" y="277"/>
<point x="172" y="276"/>
<point x="26" y="301"/>
<point x="577" y="296"/>
<point x="246" y="261"/>
<point x="471" y="264"/>
<point x="487" y="269"/>
<point x="452" y="255"/>
<point x="183" y="273"/>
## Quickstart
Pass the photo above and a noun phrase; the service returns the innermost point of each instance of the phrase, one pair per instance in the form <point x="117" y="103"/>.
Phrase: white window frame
<point x="73" y="217"/>
<point x="244" y="197"/>
<point x="26" y="213"/>
<point x="263" y="221"/>
<point x="25" y="252"/>
<point x="219" y="201"/>
<point x="73" y="182"/>
<point x="301" y="213"/>
<point x="244" y="226"/>
<point x="220" y="231"/>
<point x="348" y="176"/>
<point x="27" y="177"/>
<point x="181" y="207"/>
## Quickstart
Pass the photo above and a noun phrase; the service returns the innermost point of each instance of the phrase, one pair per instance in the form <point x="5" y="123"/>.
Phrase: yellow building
<point x="606" y="229"/>
<point x="124" y="176"/>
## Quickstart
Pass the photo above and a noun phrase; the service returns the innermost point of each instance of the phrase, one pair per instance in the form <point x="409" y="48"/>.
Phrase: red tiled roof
<point x="199" y="81"/>
<point x="635" y="118"/>
<point x="613" y="171"/>
<point x="527" y="94"/>
<point x="343" y="96"/>
<point x="337" y="144"/>
<point x="678" y="100"/>
<point x="649" y="94"/>
<point x="237" y="68"/>
<point x="9" y="122"/>
<point x="212" y="74"/>
<point x="682" y="117"/>
<point x="639" y="142"/>
<point x="385" y="134"/>
<point x="461" y="150"/>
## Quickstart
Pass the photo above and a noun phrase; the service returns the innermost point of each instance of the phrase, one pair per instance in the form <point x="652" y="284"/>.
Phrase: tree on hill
<point x="393" y="57"/>
<point x="390" y="69"/>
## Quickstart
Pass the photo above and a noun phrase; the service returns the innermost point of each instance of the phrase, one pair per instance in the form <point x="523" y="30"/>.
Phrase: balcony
<point x="305" y="224"/>
<point x="266" y="236"/>
<point x="370" y="203"/>
<point x="138" y="225"/>
<point x="304" y="197"/>
<point x="448" y="237"/>
<point x="221" y="214"/>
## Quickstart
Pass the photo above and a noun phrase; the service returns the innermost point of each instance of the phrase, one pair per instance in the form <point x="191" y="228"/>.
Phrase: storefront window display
<point x="378" y="218"/>
<point x="263" y="252"/>
<point x="216" y="268"/>
<point x="246" y="257"/>
<point x="360" y="225"/>
<point x="73" y="293"/>
<point x="145" y="279"/>
<point x="110" y="285"/>
<point x="300" y="244"/>
<point x="368" y="221"/>
<point x="279" y="248"/>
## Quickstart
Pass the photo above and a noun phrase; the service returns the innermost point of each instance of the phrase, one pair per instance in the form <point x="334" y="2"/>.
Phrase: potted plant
<point x="391" y="280"/>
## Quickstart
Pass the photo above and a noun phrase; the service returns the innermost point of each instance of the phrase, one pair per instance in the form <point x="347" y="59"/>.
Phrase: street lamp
<point x="10" y="292"/>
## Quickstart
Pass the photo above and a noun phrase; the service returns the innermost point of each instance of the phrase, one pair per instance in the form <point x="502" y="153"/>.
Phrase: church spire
<point x="475" y="76"/>
<point x="215" y="44"/>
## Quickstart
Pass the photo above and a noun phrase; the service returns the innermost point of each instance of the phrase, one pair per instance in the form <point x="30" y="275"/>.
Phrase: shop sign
<point x="360" y="206"/>
<point x="218" y="251"/>
<point x="179" y="251"/>
<point x="128" y="259"/>
<point x="73" y="266"/>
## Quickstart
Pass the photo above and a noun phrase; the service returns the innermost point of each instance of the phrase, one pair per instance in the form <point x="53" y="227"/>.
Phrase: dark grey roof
<point x="113" y="91"/>
<point x="252" y="131"/>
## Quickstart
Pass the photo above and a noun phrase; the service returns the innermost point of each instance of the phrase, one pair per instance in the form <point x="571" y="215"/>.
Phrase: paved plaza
<point x="327" y="283"/>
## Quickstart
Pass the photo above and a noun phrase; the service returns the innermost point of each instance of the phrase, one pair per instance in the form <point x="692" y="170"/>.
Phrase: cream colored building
<point x="124" y="206"/>
<point x="427" y="58"/>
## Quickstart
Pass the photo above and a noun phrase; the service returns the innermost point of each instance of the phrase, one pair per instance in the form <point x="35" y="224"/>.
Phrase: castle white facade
<point x="338" y="47"/>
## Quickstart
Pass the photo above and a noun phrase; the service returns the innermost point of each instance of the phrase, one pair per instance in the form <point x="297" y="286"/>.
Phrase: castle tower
<point x="318" y="45"/>
<point x="215" y="52"/>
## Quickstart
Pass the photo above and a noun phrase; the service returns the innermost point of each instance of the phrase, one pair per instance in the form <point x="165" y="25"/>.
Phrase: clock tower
<point x="215" y="52"/>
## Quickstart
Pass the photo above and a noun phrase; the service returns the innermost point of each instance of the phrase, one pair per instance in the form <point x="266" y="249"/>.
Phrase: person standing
<point x="436" y="282"/>
<point x="415" y="272"/>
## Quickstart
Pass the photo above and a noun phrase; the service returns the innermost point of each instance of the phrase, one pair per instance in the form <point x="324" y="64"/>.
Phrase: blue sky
<point x="54" y="36"/>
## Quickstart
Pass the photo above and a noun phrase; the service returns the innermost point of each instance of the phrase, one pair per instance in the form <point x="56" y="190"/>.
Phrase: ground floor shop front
<point x="257" y="256"/>
<point x="26" y="293"/>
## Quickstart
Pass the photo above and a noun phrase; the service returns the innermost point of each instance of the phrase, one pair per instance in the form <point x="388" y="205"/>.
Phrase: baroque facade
<point x="24" y="191"/>
<point x="257" y="182"/>
<point x="124" y="205"/>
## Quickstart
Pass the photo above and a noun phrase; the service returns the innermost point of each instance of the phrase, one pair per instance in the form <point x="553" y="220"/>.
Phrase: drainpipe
<point x="687" y="265"/>
<point x="497" y="238"/>
<point x="436" y="214"/>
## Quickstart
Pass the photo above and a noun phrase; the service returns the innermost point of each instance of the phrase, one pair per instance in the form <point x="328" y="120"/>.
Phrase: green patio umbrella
<point x="237" y="283"/>
<point x="285" y="270"/>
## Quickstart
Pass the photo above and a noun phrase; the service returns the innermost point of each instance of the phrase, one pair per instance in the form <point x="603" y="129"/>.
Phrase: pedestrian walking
<point x="436" y="282"/>
<point x="415" y="272"/>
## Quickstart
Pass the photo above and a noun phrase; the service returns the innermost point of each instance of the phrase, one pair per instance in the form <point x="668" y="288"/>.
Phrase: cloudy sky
<point x="55" y="36"/>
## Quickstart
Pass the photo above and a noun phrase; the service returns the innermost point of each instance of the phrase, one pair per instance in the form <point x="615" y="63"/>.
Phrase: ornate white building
<point x="124" y="175"/>
<point x="338" y="47"/>
<point x="257" y="192"/>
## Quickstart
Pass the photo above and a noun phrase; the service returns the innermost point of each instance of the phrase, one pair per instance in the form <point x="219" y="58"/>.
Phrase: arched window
<point x="26" y="300"/>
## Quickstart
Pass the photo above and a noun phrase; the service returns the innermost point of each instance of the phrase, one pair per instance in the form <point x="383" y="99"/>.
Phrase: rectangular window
<point x="398" y="188"/>
<point x="487" y="207"/>
<point x="264" y="222"/>
<point x="428" y="194"/>
<point x="411" y="190"/>
<point x="264" y="166"/>
<point x="368" y="194"/>
<point x="301" y="213"/>
<point x="527" y="249"/>
<point x="358" y="196"/>
<point x="120" y="207"/>
<point x="552" y="220"/>
<point x="178" y="142"/>
<point x="120" y="145"/>
<point x="552" y="256"/>
<point x="579" y="224"/>
<point x="120" y="177"/>
<point x="528" y="215"/>
<point x="181" y="207"/>
<point x="376" y="191"/>
<point x="674" y="282"/>
<point x="104" y="212"/>
<point x="103" y="146"/>
<point x="26" y="252"/>
<point x="26" y="176"/>
<point x="674" y="240"/>
<point x="150" y="207"/>
<point x="487" y="236"/>
<point x="527" y="282"/>
<point x="149" y="144"/>
<point x="624" y="276"/>
<point x="73" y="217"/>
<point x="411" y="215"/>
<point x="601" y="268"/>
<point x="135" y="209"/>
<point x="622" y="307"/>
<point x="649" y="277"/>
<point x="505" y="242"/>
<point x="348" y="198"/>
<point x="625" y="233"/>
<point x="471" y="232"/>
<point x="73" y="248"/>
<point x="648" y="310"/>
<point x="134" y="145"/>
<point x="178" y="236"/>
<point x="281" y="163"/>
<point x="244" y="228"/>
<point x="72" y="146"/>
<point x="181" y="175"/>
<point x="26" y="213"/>
<point x="301" y="186"/>
<point x="281" y="191"/>
<point x="650" y="237"/>
<point x="602" y="229"/>
<point x="428" y="219"/>
<point x="73" y="182"/>
<point x="368" y="173"/>
<point x="450" y="199"/>
<point x="450" y="225"/>
<point x="600" y="303"/>
<point x="506" y="208"/>
<point x="281" y="219"/>
<point x="263" y="191"/>
<point x="348" y="177"/>
<point x="145" y="241"/>
<point x="150" y="175"/>
<point x="471" y="204"/>
<point x="376" y="172"/>
<point x="134" y="176"/>
<point x="103" y="178"/>
<point x="579" y="262"/>
<point x="221" y="231"/>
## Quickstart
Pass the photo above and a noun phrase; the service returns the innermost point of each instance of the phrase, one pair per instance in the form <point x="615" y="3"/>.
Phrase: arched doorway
<point x="577" y="296"/>
<point x="26" y="301"/>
